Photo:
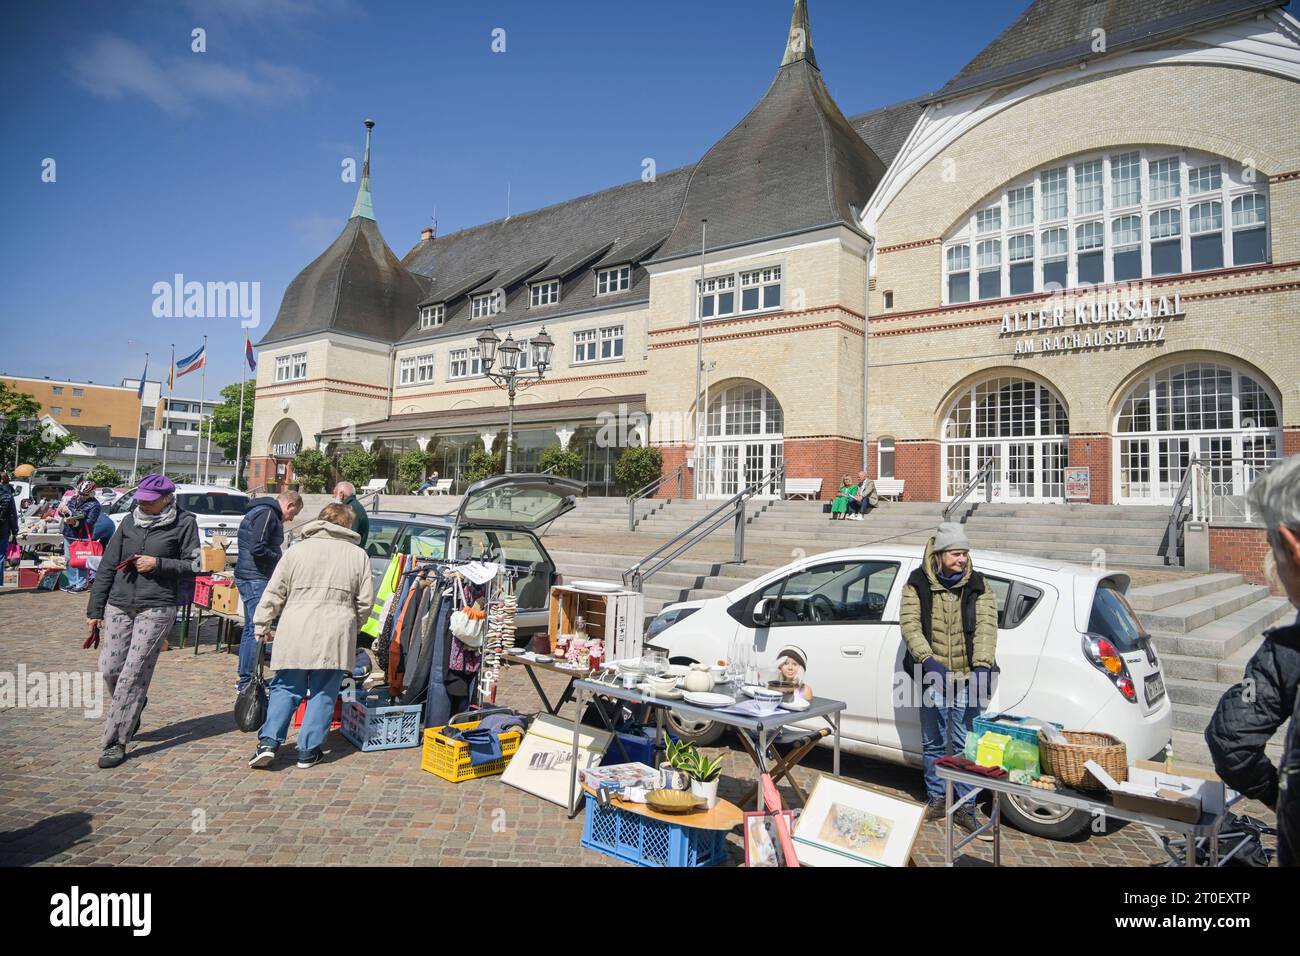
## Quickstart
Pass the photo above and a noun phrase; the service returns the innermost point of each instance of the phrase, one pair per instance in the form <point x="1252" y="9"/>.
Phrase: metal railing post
<point x="631" y="514"/>
<point x="738" y="550"/>
<point x="681" y="471"/>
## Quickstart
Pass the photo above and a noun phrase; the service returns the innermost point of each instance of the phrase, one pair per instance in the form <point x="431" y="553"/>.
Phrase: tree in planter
<point x="311" y="468"/>
<point x="358" y="466"/>
<point x="411" y="467"/>
<point x="637" y="467"/>
<point x="481" y="465"/>
<point x="104" y="476"/>
<point x="560" y="462"/>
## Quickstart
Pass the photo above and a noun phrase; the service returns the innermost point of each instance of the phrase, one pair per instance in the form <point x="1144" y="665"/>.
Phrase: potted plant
<point x="674" y="772"/>
<point x="705" y="774"/>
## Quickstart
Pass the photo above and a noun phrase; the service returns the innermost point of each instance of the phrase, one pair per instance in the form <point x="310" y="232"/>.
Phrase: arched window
<point x="1018" y="424"/>
<point x="1120" y="216"/>
<point x="1222" y="416"/>
<point x="743" y="440"/>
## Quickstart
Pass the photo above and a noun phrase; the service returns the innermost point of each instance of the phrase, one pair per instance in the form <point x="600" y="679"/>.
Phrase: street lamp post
<point x="510" y="376"/>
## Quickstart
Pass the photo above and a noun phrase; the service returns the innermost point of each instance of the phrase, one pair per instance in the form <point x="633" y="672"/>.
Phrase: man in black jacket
<point x="261" y="537"/>
<point x="8" y="515"/>
<point x="1251" y="712"/>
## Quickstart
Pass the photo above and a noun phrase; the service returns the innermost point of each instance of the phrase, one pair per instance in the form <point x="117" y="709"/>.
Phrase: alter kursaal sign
<point x="1100" y="322"/>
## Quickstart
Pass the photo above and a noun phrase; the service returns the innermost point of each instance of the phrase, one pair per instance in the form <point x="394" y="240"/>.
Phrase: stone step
<point x="1200" y="693"/>
<point x="1189" y="615"/>
<point x="1194" y="718"/>
<point x="1006" y="508"/>
<point x="1093" y="533"/>
<point x="1154" y="597"/>
<point x="612" y="566"/>
<point x="857" y="533"/>
<point x="1221" y="639"/>
<point x="1190" y="748"/>
<point x="1227" y="670"/>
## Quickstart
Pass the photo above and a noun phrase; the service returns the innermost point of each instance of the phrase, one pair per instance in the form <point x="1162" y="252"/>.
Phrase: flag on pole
<point x="171" y="371"/>
<point x="192" y="363"/>
<point x="143" y="375"/>
<point x="248" y="354"/>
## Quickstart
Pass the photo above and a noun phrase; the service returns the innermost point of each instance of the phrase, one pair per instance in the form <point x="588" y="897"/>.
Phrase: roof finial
<point x="798" y="44"/>
<point x="363" y="206"/>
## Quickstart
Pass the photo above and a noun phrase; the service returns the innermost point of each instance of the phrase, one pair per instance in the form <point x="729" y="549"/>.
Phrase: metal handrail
<point x="1176" y="511"/>
<point x="731" y="509"/>
<point x="679" y="473"/>
<point x="983" y="475"/>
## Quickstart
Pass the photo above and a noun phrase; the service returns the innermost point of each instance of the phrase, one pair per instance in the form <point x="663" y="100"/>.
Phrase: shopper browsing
<point x="346" y="493"/>
<point x="261" y="541"/>
<point x="79" y="513"/>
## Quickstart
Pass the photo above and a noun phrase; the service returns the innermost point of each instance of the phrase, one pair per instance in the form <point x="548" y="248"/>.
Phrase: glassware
<point x="734" y="669"/>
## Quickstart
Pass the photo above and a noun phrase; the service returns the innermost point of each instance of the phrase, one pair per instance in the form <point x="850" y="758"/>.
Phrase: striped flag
<point x="248" y="354"/>
<point x="192" y="363"/>
<point x="171" y="371"/>
<point x="143" y="375"/>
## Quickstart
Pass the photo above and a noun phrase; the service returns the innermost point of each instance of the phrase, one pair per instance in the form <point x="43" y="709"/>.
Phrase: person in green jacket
<point x="949" y="620"/>
<point x="346" y="493"/>
<point x="840" y="506"/>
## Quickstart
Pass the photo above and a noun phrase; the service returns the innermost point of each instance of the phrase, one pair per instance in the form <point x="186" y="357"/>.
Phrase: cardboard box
<point x="225" y="600"/>
<point x="1174" y="796"/>
<point x="212" y="559"/>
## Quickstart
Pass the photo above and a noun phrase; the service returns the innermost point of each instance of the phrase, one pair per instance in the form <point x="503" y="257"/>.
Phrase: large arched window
<point x="1220" y="415"/>
<point x="1018" y="424"/>
<point x="1123" y="215"/>
<point x="742" y="439"/>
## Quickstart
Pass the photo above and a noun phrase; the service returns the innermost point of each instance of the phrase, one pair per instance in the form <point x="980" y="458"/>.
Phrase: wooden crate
<point x="616" y="618"/>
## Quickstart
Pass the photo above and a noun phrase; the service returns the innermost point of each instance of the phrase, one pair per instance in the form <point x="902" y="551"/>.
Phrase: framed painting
<point x="762" y="848"/>
<point x="845" y="824"/>
<point x="542" y="764"/>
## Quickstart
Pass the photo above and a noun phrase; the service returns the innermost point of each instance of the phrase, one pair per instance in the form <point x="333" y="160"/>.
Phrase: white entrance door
<point x="730" y="467"/>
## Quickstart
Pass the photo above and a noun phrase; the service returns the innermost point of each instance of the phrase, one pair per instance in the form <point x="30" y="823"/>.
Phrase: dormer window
<point x="432" y="316"/>
<point x="544" y="293"/>
<point x="482" y="306"/>
<point x="617" y="279"/>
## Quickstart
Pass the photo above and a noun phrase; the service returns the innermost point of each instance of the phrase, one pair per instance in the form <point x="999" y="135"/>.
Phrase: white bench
<point x="806" y="488"/>
<point x="890" y="487"/>
<point x="441" y="487"/>
<point x="375" y="485"/>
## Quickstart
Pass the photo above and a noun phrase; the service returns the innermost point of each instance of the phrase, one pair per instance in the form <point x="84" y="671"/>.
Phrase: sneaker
<point x="934" y="809"/>
<point x="309" y="758"/>
<point x="855" y="517"/>
<point x="264" y="757"/>
<point x="112" y="756"/>
<point x="967" y="822"/>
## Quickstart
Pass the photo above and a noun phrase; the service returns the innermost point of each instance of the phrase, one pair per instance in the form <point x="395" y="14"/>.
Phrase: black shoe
<point x="967" y="822"/>
<point x="934" y="809"/>
<point x="309" y="758"/>
<point x="264" y="756"/>
<point x="112" y="756"/>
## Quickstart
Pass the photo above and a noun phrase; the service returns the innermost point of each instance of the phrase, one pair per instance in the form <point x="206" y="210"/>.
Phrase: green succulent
<point x="704" y="769"/>
<point x="681" y="754"/>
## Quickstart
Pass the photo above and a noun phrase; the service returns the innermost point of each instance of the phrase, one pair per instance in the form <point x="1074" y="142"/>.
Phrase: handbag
<point x="467" y="622"/>
<point x="81" y="548"/>
<point x="250" y="705"/>
<point x="13" y="552"/>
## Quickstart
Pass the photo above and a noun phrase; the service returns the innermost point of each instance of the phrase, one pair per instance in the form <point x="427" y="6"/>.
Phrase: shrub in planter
<point x="310" y="469"/>
<point x="358" y="466"/>
<point x="637" y="467"/>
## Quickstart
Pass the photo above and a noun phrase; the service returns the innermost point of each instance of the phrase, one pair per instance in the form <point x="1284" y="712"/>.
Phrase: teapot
<point x="698" y="679"/>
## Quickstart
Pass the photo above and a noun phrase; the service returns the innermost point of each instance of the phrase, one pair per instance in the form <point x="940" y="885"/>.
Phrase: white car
<point x="1070" y="649"/>
<point x="218" y="509"/>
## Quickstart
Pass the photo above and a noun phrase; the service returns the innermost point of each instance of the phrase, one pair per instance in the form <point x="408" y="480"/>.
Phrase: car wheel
<point x="1047" y="820"/>
<point x="702" y="733"/>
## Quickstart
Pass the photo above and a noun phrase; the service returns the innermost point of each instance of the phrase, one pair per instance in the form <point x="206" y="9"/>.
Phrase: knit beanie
<point x="951" y="537"/>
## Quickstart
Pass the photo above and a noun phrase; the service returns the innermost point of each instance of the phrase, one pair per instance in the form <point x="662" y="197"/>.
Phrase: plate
<point x="604" y="587"/>
<point x="796" y="705"/>
<point x="673" y="801"/>
<point x="761" y="693"/>
<point x="517" y="650"/>
<point x="649" y="691"/>
<point x="700" y="699"/>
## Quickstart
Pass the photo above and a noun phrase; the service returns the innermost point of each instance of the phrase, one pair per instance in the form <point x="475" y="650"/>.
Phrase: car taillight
<point x="1102" y="654"/>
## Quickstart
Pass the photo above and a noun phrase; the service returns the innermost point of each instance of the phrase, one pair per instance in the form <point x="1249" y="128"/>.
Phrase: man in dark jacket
<point x="79" y="514"/>
<point x="1250" y="713"/>
<point x="261" y="537"/>
<point x="8" y="515"/>
<point x="346" y="493"/>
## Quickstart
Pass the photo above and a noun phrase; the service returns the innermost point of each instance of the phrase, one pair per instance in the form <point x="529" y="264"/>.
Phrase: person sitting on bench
<point x="840" y="506"/>
<point x="864" y="499"/>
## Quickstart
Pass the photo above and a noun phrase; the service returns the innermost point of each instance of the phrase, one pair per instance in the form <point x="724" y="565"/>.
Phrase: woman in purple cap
<point x="138" y="587"/>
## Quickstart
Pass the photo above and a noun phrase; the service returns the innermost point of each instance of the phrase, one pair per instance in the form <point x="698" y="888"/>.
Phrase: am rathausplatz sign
<point x="1114" y="320"/>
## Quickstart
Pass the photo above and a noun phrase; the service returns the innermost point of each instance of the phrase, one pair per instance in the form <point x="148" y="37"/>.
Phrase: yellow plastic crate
<point x="449" y="758"/>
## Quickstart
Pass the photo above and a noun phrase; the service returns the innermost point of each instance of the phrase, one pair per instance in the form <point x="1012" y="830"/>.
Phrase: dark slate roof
<point x="886" y="129"/>
<point x="792" y="164"/>
<point x="1055" y="33"/>
<point x="570" y="235"/>
<point x="357" y="286"/>
<point x="99" y="435"/>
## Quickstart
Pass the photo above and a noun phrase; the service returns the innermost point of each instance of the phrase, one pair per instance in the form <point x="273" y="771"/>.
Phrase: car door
<point x="517" y="502"/>
<point x="838" y="614"/>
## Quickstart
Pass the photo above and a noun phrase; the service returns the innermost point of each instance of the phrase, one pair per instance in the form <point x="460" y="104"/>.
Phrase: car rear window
<point x="423" y="542"/>
<point x="213" y="503"/>
<point x="1113" y="619"/>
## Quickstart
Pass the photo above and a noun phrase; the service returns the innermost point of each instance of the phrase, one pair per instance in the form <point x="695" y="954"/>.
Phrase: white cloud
<point x="283" y="10"/>
<point x="114" y="67"/>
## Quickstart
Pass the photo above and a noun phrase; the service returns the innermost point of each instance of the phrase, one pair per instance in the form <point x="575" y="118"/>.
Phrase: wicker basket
<point x="1065" y="762"/>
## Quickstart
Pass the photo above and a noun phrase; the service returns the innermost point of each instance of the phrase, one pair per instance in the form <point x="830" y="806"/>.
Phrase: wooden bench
<point x="806" y="488"/>
<point x="375" y="485"/>
<point x="890" y="488"/>
<point x="442" y="487"/>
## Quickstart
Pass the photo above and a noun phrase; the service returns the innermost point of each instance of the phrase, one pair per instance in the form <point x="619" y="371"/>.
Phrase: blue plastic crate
<point x="373" y="723"/>
<point x="648" y="842"/>
<point x="1008" y="724"/>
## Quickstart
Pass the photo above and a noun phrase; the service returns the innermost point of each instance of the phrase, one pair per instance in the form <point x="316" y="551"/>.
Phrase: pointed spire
<point x="363" y="207"/>
<point x="798" y="44"/>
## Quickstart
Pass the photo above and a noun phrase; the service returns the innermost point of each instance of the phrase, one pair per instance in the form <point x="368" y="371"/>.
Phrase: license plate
<point x="1155" y="687"/>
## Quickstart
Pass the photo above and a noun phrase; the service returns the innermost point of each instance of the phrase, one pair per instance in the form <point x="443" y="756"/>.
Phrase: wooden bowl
<point x="673" y="801"/>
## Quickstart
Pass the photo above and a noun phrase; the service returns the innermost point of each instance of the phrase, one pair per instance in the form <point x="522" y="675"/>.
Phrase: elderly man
<point x="345" y="493"/>
<point x="865" y="499"/>
<point x="261" y="541"/>
<point x="1250" y="713"/>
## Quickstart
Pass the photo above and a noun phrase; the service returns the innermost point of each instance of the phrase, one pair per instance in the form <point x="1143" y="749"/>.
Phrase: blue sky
<point x="226" y="165"/>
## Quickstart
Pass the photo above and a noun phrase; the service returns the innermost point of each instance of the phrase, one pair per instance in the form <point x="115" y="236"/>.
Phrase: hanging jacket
<point x="169" y="585"/>
<point x="957" y="626"/>
<point x="261" y="537"/>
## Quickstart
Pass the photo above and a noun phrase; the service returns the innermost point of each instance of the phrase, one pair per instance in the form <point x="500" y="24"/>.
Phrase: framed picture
<point x="1078" y="483"/>
<point x="845" y="824"/>
<point x="762" y="848"/>
<point x="542" y="764"/>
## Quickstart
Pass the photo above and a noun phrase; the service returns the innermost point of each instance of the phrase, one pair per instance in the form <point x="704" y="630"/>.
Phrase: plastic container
<point x="1019" y="755"/>
<point x="992" y="749"/>
<point x="646" y="841"/>
<point x="1010" y="725"/>
<point x="971" y="750"/>
<point x="375" y="723"/>
<point x="336" y="722"/>
<point x="450" y="759"/>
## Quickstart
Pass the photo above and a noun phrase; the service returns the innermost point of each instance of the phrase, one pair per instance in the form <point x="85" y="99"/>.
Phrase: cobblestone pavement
<point x="185" y="795"/>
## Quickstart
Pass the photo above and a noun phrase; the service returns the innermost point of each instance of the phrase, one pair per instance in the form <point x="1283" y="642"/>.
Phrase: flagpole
<point x="135" y="462"/>
<point x="203" y="378"/>
<point x="171" y="378"/>
<point x="239" y="431"/>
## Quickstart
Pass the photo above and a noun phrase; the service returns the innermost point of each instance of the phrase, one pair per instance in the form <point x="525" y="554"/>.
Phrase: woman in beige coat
<point x="322" y="593"/>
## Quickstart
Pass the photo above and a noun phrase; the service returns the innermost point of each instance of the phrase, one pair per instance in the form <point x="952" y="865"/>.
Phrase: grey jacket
<point x="170" y="584"/>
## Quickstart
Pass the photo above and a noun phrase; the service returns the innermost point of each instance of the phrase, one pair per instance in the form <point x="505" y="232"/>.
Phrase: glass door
<point x="1021" y="473"/>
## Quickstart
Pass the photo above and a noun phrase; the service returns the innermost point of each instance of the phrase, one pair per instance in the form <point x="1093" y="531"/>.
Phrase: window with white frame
<point x="464" y="363"/>
<point x="415" y="369"/>
<point x="483" y="305"/>
<point x="525" y="360"/>
<point x="617" y="279"/>
<point x="291" y="368"/>
<point x="611" y="342"/>
<point x="406" y="371"/>
<point x="760" y="289"/>
<point x="718" y="297"/>
<point x="543" y="293"/>
<point x="885" y="458"/>
<point x="586" y="346"/>
<point x="432" y="316"/>
<point x="1118" y="217"/>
